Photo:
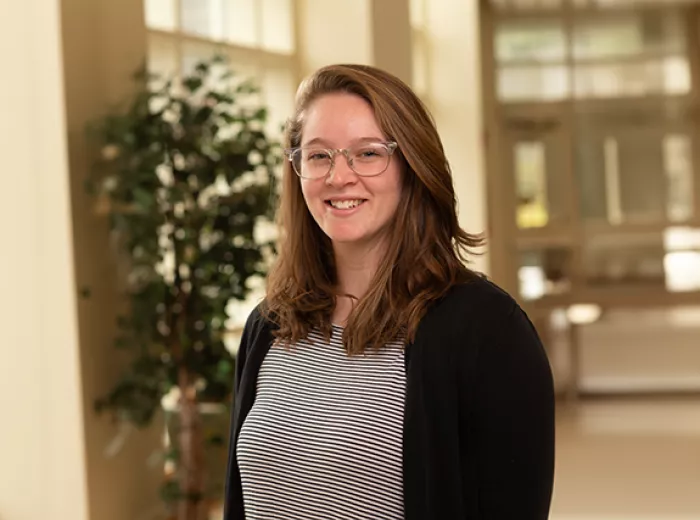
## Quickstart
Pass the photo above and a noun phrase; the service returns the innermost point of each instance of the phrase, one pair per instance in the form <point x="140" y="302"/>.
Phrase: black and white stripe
<point x="324" y="437"/>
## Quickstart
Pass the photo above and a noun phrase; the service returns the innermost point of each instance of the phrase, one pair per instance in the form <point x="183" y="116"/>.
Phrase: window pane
<point x="531" y="184"/>
<point x="625" y="259"/>
<point x="658" y="76"/>
<point x="592" y="163"/>
<point x="203" y="17"/>
<point x="543" y="83"/>
<point x="642" y="184"/>
<point x="544" y="272"/>
<point x="678" y="165"/>
<point x="160" y="14"/>
<point x="193" y="53"/>
<point x="628" y="34"/>
<point x="240" y="22"/>
<point x="682" y="261"/>
<point x="530" y="41"/>
<point x="277" y="33"/>
<point x="682" y="271"/>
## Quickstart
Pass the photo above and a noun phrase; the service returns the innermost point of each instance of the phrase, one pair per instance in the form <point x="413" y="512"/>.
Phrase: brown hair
<point x="426" y="251"/>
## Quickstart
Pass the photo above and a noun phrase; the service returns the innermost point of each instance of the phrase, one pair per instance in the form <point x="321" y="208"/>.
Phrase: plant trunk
<point x="192" y="463"/>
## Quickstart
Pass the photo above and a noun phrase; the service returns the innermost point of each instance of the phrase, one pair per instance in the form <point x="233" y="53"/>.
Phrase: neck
<point x="355" y="267"/>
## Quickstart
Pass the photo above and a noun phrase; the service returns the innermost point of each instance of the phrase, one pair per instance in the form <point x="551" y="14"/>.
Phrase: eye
<point x="317" y="155"/>
<point x="370" y="153"/>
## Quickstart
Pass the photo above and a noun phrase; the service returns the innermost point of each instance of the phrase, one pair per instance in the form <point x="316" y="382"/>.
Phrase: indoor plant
<point x="186" y="173"/>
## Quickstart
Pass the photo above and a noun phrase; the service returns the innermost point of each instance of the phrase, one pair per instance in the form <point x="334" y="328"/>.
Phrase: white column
<point x="455" y="95"/>
<point x="369" y="32"/>
<point x="43" y="471"/>
<point x="334" y="31"/>
<point x="104" y="42"/>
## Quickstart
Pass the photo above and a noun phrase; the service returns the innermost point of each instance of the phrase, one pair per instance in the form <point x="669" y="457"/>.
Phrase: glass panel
<point x="203" y="17"/>
<point x="277" y="29"/>
<point x="628" y="169"/>
<point x="624" y="260"/>
<point x="193" y="53"/>
<point x="533" y="83"/>
<point x="668" y="260"/>
<point x="657" y="76"/>
<point x="678" y="165"/>
<point x="642" y="187"/>
<point x="681" y="238"/>
<point x="591" y="173"/>
<point x="628" y="34"/>
<point x="531" y="184"/>
<point x="544" y="272"/>
<point x="541" y="40"/>
<point x="682" y="271"/>
<point x="540" y="178"/>
<point x="682" y="261"/>
<point x="160" y="14"/>
<point x="240" y="22"/>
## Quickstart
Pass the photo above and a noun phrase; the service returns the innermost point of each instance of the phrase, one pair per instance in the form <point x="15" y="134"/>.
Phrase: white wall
<point x="42" y="468"/>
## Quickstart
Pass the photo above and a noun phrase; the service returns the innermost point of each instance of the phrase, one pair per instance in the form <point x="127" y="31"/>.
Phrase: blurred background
<point x="572" y="128"/>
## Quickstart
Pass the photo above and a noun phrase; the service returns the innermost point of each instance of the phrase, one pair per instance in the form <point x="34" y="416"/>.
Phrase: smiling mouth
<point x="345" y="204"/>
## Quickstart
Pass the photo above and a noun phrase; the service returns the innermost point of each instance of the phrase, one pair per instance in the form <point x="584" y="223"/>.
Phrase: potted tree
<point x="186" y="174"/>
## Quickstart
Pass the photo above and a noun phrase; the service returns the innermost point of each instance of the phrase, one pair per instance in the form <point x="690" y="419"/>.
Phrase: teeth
<point x="345" y="204"/>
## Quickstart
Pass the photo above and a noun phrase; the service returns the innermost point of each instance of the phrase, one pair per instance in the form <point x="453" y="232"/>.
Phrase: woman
<point x="381" y="378"/>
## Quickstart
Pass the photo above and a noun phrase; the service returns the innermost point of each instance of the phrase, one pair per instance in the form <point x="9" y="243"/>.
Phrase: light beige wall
<point x="104" y="42"/>
<point x="42" y="461"/>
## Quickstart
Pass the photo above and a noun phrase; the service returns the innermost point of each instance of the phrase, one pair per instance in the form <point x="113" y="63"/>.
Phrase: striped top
<point x="324" y="437"/>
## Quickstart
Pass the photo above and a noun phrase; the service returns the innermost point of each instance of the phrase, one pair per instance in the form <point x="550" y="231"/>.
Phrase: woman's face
<point x="349" y="208"/>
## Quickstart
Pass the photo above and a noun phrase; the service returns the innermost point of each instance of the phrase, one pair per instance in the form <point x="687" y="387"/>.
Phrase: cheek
<point x="309" y="191"/>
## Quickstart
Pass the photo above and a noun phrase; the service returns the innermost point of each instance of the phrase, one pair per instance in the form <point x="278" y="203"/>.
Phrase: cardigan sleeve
<point x="232" y="493"/>
<point x="513" y="421"/>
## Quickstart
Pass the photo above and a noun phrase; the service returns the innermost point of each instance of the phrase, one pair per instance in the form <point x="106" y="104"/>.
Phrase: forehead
<point x="339" y="119"/>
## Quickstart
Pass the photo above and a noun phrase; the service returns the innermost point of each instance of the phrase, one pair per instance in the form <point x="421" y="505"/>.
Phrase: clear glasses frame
<point x="290" y="153"/>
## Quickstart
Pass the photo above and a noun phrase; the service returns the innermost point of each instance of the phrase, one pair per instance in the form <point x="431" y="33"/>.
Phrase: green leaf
<point x="192" y="83"/>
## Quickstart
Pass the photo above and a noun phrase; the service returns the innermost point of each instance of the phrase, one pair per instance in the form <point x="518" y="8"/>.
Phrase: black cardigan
<point x="479" y="423"/>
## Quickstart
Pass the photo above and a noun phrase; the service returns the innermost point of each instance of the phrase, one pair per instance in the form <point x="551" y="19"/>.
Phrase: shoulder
<point x="477" y="315"/>
<point x="473" y="302"/>
<point x="258" y="328"/>
<point x="484" y="330"/>
<point x="257" y="318"/>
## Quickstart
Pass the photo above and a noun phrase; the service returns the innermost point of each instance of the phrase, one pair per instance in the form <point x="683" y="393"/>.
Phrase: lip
<point x="343" y="212"/>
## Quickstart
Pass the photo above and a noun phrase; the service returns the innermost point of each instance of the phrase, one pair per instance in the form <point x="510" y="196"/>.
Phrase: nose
<point x="341" y="174"/>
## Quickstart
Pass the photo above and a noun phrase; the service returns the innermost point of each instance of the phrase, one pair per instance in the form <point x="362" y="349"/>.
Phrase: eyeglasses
<point x="366" y="160"/>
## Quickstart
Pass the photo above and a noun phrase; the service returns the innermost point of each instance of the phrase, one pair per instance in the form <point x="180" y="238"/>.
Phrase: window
<point x="628" y="54"/>
<point x="256" y="35"/>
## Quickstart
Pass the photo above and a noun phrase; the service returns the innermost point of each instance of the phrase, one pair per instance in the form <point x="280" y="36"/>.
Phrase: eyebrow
<point x="323" y="142"/>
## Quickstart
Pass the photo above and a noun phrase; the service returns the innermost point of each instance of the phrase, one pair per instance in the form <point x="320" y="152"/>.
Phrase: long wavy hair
<point x="426" y="250"/>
